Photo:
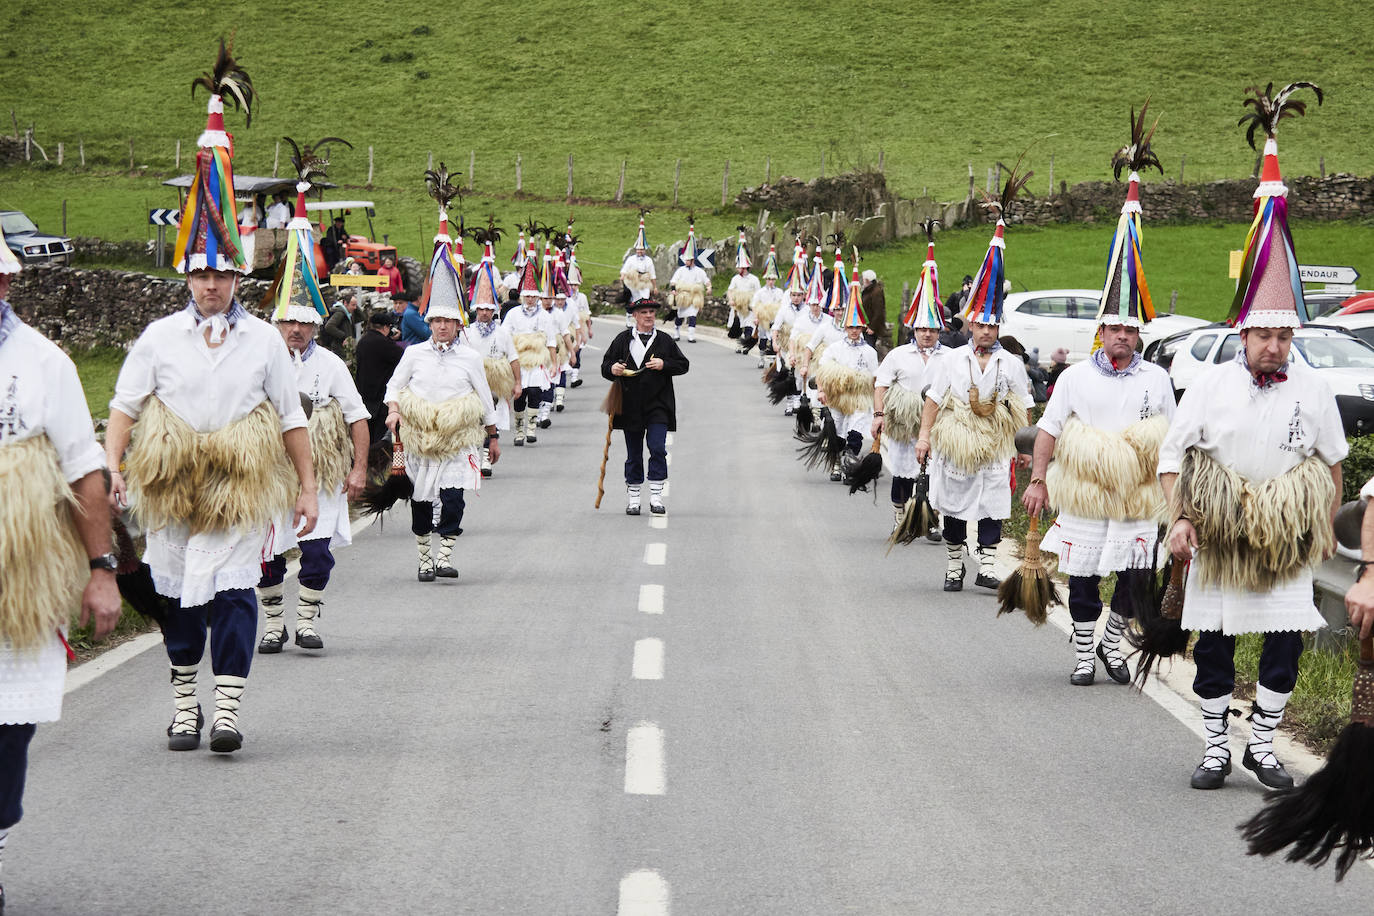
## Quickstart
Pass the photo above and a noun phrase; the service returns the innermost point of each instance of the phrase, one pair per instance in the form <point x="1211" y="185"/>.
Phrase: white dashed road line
<point x="656" y="554"/>
<point x="651" y="599"/>
<point x="648" y="660"/>
<point x="643" y="893"/>
<point x="644" y="760"/>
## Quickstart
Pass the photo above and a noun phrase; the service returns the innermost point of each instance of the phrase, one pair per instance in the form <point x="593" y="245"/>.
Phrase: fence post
<point x="1051" y="174"/>
<point x="519" y="180"/>
<point x="677" y="177"/>
<point x="570" y="177"/>
<point x="472" y="166"/>
<point x="177" y="166"/>
<point x="1182" y="161"/>
<point x="768" y="170"/>
<point x="369" y="166"/>
<point x="276" y="159"/>
<point x="81" y="147"/>
<point x="970" y="180"/>
<point x="725" y="185"/>
<point x="620" y="188"/>
<point x="430" y="166"/>
<point x="131" y="154"/>
<point x="881" y="160"/>
<point x="28" y="154"/>
<point x="60" y="151"/>
<point x="822" y="163"/>
<point x="1322" y="160"/>
<point x="1173" y="302"/>
<point x="64" y="213"/>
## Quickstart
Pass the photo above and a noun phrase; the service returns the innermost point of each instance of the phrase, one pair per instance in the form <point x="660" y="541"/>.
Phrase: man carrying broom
<point x="1103" y="426"/>
<point x="1252" y="468"/>
<point x="641" y="363"/>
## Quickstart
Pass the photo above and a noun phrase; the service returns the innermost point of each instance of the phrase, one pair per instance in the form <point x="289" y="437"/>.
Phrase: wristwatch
<point x="107" y="561"/>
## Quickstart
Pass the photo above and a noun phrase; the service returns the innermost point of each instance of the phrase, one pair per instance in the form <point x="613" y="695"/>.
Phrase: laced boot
<point x="954" y="574"/>
<point x="558" y="395"/>
<point x="309" y="607"/>
<point x="987" y="556"/>
<point x="184" y="732"/>
<point x="486" y="461"/>
<point x="1216" y="759"/>
<point x="274" y="623"/>
<point x="225" y="737"/>
<point x="1107" y="650"/>
<point x="632" y="496"/>
<point x="1259" y="757"/>
<point x="898" y="514"/>
<point x="426" y="570"/>
<point x="656" y="497"/>
<point x="444" y="564"/>
<point x="1084" y="667"/>
<point x="544" y="410"/>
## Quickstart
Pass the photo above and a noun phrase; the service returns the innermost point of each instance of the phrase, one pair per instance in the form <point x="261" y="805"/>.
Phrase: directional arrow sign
<point x="1316" y="273"/>
<point x="164" y="217"/>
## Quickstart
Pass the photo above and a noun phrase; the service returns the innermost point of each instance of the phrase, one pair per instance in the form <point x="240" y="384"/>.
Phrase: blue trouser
<point x="1215" y="653"/>
<point x="546" y="396"/>
<point x="316" y="562"/>
<point x="902" y="488"/>
<point x="691" y="322"/>
<point x="14" y="764"/>
<point x="232" y="616"/>
<point x="657" y="435"/>
<point x="1085" y="601"/>
<point x="529" y="398"/>
<point x="989" y="531"/>
<point x="451" y="507"/>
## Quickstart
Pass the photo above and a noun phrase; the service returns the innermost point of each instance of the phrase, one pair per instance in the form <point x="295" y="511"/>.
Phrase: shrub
<point x="1357" y="468"/>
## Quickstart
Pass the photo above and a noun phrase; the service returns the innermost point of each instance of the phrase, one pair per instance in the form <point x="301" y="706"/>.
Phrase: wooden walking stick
<point x="610" y="405"/>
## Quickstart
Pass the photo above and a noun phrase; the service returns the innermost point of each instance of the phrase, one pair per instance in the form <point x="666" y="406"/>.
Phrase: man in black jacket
<point x="643" y="362"/>
<point x="377" y="356"/>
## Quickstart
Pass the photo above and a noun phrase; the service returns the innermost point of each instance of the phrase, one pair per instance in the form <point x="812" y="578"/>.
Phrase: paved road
<point x="745" y="708"/>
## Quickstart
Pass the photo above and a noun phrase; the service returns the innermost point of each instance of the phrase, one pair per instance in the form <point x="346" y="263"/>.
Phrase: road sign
<point x="1237" y="259"/>
<point x="1317" y="273"/>
<point x="1340" y="289"/>
<point x="162" y="217"/>
<point x="375" y="281"/>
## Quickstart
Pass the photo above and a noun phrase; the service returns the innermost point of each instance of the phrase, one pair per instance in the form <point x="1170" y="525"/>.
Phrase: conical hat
<point x="295" y="294"/>
<point x="517" y="259"/>
<point x="1269" y="292"/>
<point x="815" y="286"/>
<point x="689" y="250"/>
<point x="641" y="239"/>
<point x="839" y="289"/>
<point x="484" y="283"/>
<point x="742" y="253"/>
<point x="989" y="284"/>
<point x="924" y="310"/>
<point x="574" y="272"/>
<point x="1125" y="295"/>
<point x="853" y="316"/>
<point x="770" y="266"/>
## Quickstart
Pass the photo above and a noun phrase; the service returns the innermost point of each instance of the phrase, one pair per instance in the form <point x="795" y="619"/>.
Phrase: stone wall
<point x="81" y="309"/>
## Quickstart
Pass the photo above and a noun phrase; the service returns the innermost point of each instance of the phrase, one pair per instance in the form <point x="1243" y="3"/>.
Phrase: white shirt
<point x="562" y="319"/>
<point x="1005" y="375"/>
<point x="1259" y="433"/>
<point x="639" y="263"/>
<point x="747" y="283"/>
<point x="541" y="322"/>
<point x="687" y="276"/>
<point x="804" y="325"/>
<point x="861" y="357"/>
<point x="438" y="375"/>
<point x="209" y="388"/>
<point x="1108" y="403"/>
<point x="322" y="376"/>
<point x="578" y="302"/>
<point x="278" y="215"/>
<point x="906" y="367"/>
<point x="765" y="294"/>
<point x="788" y="315"/>
<point x="825" y="333"/>
<point x="496" y="345"/>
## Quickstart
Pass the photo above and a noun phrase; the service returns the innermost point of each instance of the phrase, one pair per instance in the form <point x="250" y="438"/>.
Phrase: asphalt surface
<point x="825" y="732"/>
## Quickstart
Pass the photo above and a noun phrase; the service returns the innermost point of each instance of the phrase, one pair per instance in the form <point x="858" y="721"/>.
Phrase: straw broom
<point x="1030" y="587"/>
<point x="918" y="515"/>
<point x="1334" y="808"/>
<point x="610" y="406"/>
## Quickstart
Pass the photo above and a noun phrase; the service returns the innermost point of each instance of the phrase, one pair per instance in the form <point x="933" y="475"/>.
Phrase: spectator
<point x="335" y="243"/>
<point x="249" y="220"/>
<point x="954" y="336"/>
<point x="955" y="303"/>
<point x="1059" y="361"/>
<point x="378" y="354"/>
<point x="279" y="214"/>
<point x="874" y="301"/>
<point x="339" y="328"/>
<point x="395" y="283"/>
<point x="414" y="328"/>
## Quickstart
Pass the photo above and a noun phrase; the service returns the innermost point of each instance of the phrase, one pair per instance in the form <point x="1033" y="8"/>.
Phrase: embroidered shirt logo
<point x="11" y="418"/>
<point x="1295" y="430"/>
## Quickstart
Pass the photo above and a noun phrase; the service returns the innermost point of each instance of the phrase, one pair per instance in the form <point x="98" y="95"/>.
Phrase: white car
<point x="1358" y="324"/>
<point x="1345" y="362"/>
<point x="1052" y="318"/>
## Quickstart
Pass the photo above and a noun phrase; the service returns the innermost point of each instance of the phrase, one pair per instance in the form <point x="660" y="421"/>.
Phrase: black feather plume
<point x="1137" y="156"/>
<point x="311" y="161"/>
<point x="930" y="226"/>
<point x="1270" y="109"/>
<point x="439" y="184"/>
<point x="228" y="80"/>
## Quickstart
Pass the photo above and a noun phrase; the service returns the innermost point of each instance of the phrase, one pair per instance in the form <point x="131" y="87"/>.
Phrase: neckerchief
<point x="985" y="351"/>
<point x="487" y="329"/>
<point x="1103" y="364"/>
<point x="442" y="347"/>
<point x="8" y="321"/>
<point x="1261" y="380"/>
<point x="219" y="324"/>
<point x="927" y="352"/>
<point x="855" y="343"/>
<point x="529" y="310"/>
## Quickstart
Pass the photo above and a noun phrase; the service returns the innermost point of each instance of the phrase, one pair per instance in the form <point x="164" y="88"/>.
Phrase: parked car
<point x="30" y="245"/>
<point x="1359" y="323"/>
<point x="1344" y="361"/>
<point x="1053" y="318"/>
